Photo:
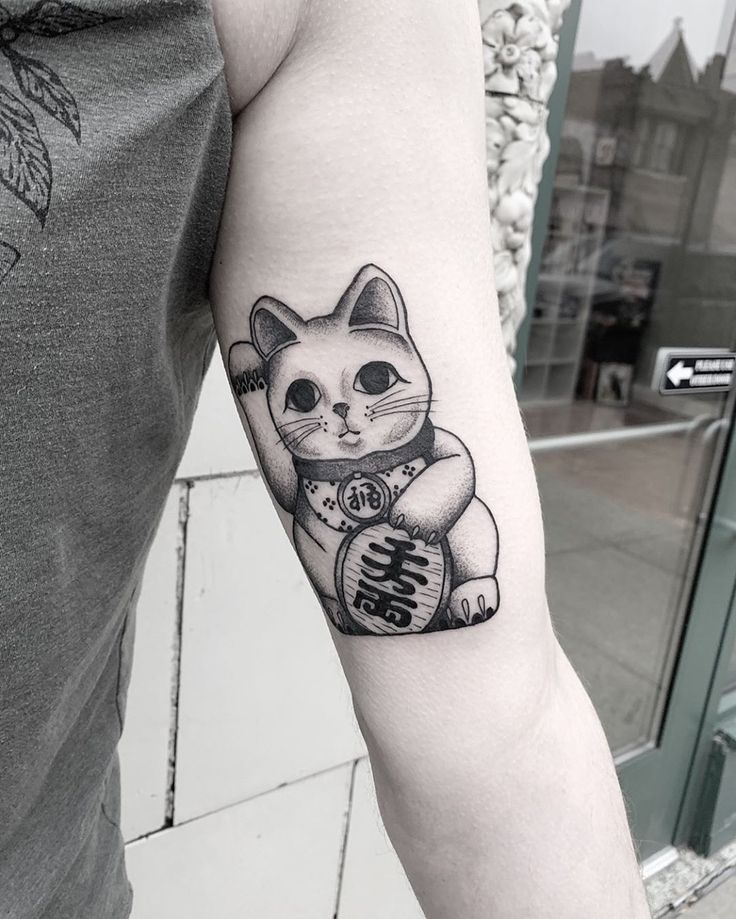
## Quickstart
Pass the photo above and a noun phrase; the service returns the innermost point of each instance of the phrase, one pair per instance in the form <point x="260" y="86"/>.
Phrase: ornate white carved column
<point x="520" y="43"/>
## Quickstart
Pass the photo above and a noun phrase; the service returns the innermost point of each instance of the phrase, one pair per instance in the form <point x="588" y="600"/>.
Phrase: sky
<point x="636" y="28"/>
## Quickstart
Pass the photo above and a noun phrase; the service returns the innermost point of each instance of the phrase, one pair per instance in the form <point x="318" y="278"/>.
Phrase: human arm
<point x="366" y="146"/>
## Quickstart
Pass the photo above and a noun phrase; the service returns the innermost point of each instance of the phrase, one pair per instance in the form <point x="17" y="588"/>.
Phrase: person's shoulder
<point x="260" y="37"/>
<point x="255" y="37"/>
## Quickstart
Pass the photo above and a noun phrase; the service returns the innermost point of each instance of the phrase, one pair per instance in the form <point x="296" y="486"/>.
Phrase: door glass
<point x="640" y="255"/>
<point x="731" y="676"/>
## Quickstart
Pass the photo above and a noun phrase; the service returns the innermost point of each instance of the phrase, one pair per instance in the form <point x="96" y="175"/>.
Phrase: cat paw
<point x="403" y="517"/>
<point x="337" y="615"/>
<point x="473" y="602"/>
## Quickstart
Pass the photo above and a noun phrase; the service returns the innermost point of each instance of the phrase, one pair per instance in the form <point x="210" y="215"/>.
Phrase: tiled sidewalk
<point x="245" y="786"/>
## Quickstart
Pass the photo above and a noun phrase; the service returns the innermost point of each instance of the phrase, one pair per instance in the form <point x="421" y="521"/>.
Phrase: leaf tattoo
<point x="43" y="86"/>
<point x="54" y="17"/>
<point x="8" y="258"/>
<point x="25" y="167"/>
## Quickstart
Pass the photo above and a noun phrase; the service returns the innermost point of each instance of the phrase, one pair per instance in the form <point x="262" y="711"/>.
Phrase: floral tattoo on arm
<point x="385" y="517"/>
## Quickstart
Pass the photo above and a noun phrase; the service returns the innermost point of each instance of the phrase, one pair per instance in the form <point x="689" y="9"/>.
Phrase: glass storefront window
<point x="731" y="677"/>
<point x="640" y="255"/>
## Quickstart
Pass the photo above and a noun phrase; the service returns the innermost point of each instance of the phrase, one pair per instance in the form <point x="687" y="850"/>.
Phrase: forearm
<point x="500" y="819"/>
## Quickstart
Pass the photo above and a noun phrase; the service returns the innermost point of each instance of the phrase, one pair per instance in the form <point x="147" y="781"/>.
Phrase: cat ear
<point x="373" y="298"/>
<point x="273" y="326"/>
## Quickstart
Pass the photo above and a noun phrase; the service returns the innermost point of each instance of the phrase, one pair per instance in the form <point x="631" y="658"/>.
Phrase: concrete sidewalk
<point x="720" y="903"/>
<point x="696" y="887"/>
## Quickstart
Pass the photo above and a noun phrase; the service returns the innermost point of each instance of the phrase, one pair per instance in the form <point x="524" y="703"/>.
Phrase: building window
<point x="642" y="148"/>
<point x="664" y="147"/>
<point x="659" y="146"/>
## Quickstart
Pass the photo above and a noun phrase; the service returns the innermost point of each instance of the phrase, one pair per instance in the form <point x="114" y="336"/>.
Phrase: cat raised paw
<point x="246" y="369"/>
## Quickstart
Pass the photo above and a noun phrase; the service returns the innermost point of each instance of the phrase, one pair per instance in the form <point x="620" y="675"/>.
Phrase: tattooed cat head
<point x="346" y="384"/>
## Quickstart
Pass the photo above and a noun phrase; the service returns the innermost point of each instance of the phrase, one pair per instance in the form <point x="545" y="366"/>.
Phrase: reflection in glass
<point x="731" y="674"/>
<point x="640" y="254"/>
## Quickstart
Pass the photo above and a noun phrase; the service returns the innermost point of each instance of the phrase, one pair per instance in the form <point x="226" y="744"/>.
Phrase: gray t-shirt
<point x="114" y="149"/>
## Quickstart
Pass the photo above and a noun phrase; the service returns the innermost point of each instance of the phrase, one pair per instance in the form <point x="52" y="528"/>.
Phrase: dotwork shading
<point x="385" y="517"/>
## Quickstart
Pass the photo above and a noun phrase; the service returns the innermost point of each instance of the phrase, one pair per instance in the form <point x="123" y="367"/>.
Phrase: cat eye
<point x="302" y="396"/>
<point x="376" y="377"/>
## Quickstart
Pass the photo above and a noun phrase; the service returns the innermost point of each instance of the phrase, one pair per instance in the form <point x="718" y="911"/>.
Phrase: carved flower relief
<point x="515" y="49"/>
<point x="515" y="212"/>
<point x="556" y="9"/>
<point x="497" y="137"/>
<point x="516" y="145"/>
<point x="513" y="129"/>
<point x="510" y="295"/>
<point x="520" y="50"/>
<point x="514" y="135"/>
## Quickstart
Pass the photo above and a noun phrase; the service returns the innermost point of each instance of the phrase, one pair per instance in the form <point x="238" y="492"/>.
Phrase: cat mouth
<point x="346" y="432"/>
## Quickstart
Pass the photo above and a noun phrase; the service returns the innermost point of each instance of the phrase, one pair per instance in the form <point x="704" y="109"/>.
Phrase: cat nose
<point x="341" y="409"/>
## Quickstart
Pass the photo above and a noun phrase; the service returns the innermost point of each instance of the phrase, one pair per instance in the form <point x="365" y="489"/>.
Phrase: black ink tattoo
<point x="8" y="259"/>
<point x="386" y="520"/>
<point x="25" y="165"/>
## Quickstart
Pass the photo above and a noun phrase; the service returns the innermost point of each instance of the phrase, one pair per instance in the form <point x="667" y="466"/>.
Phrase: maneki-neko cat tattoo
<point x="386" y="520"/>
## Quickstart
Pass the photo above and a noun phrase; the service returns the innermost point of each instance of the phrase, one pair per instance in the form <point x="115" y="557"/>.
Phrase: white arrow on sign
<point x="679" y="373"/>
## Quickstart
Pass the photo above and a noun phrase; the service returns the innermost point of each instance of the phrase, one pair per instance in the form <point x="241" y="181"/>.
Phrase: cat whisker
<point x="402" y="411"/>
<point x="296" y="440"/>
<point x="389" y="395"/>
<point x="302" y="437"/>
<point x="282" y="438"/>
<point x="418" y="404"/>
<point x="423" y="397"/>
<point x="288" y="424"/>
<point x="398" y="401"/>
<point x="417" y="409"/>
<point x="291" y="435"/>
<point x="294" y="433"/>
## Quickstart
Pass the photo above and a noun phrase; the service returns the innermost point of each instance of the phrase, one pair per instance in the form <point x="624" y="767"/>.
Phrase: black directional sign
<point x="695" y="371"/>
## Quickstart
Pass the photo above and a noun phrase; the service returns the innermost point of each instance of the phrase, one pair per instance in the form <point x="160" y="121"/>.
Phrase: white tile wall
<point x="373" y="881"/>
<point x="262" y="703"/>
<point x="217" y="444"/>
<point x="144" y="749"/>
<point x="276" y="857"/>
<point x="263" y="700"/>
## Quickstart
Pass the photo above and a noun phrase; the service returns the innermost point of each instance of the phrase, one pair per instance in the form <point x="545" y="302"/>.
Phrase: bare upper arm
<point x="367" y="146"/>
<point x="259" y="36"/>
<point x="363" y="145"/>
<point x="255" y="37"/>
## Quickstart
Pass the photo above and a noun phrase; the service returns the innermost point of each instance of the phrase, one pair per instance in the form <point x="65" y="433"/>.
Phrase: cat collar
<point x="346" y="494"/>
